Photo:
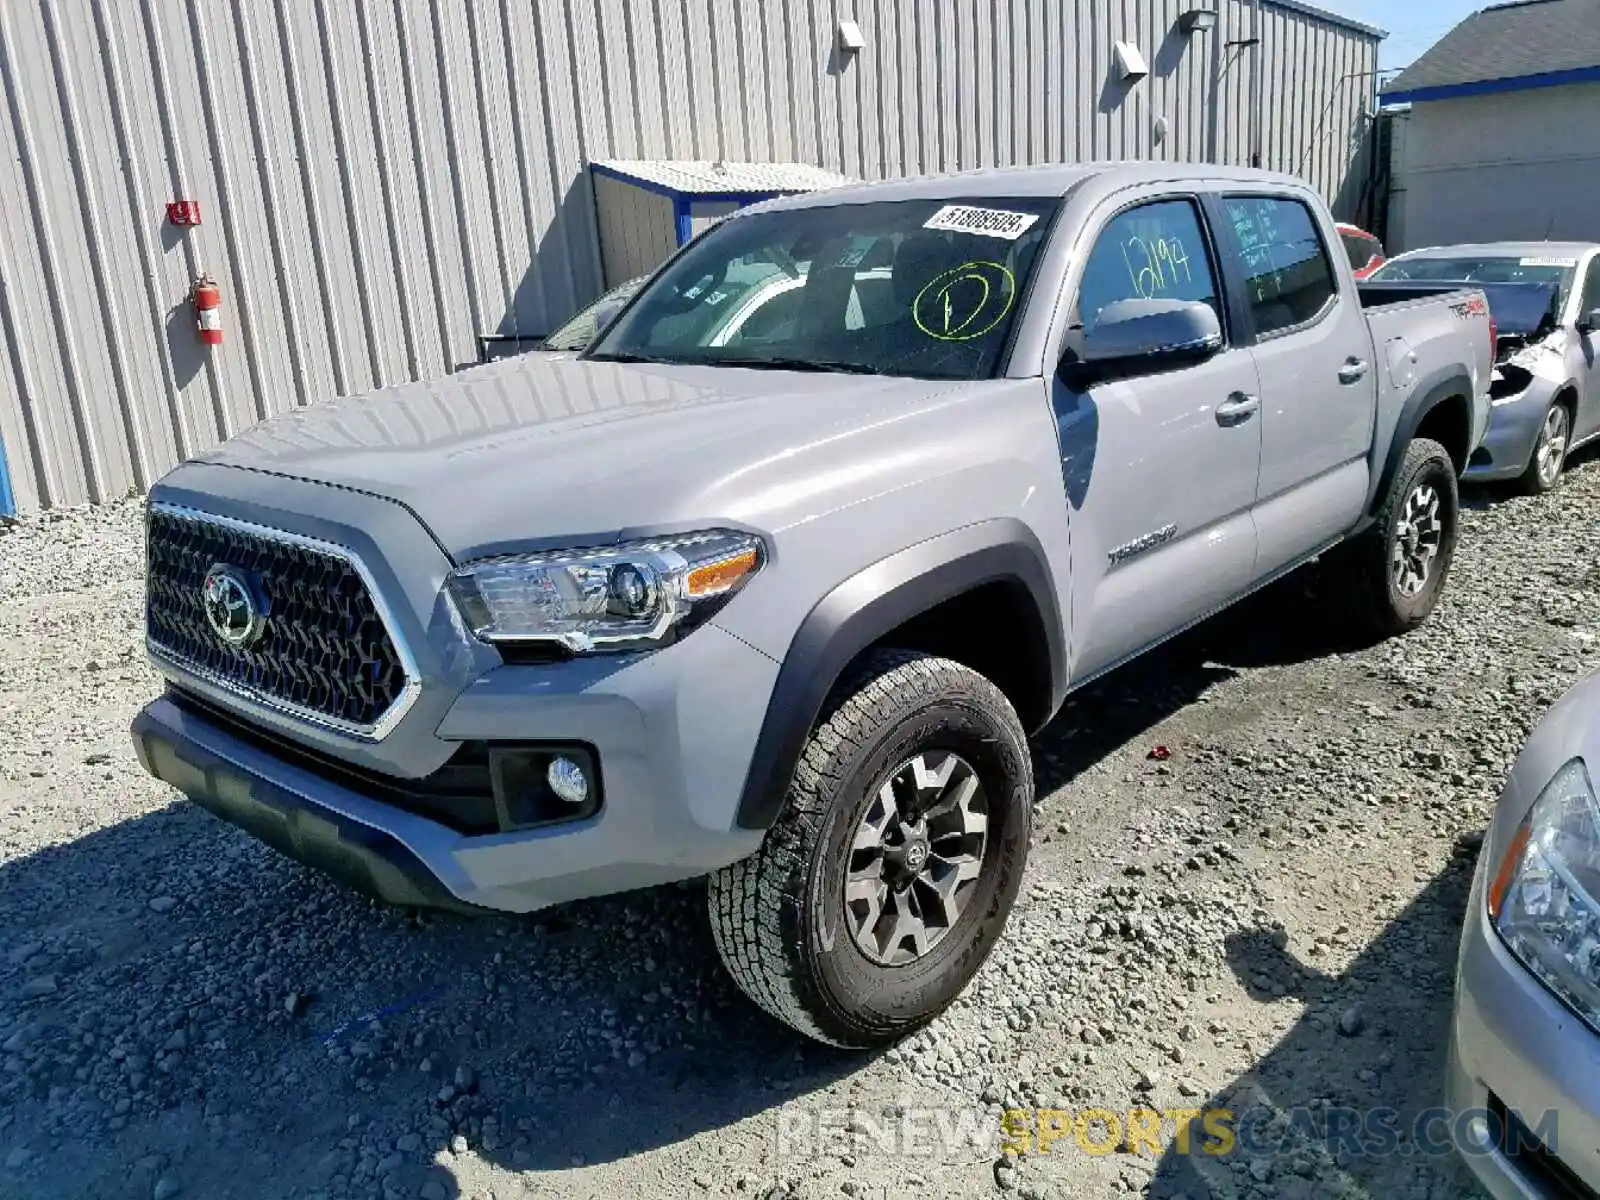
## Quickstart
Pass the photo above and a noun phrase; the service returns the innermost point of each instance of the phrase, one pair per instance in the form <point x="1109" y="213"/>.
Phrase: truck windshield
<point x="923" y="288"/>
<point x="1478" y="268"/>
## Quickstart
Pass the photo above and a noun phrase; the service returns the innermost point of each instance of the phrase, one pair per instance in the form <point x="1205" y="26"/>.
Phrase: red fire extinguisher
<point x="208" y="310"/>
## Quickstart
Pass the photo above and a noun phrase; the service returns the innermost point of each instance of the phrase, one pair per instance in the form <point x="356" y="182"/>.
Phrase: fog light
<point x="568" y="781"/>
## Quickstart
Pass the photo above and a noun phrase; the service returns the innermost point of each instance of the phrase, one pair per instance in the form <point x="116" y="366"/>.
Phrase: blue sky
<point x="1413" y="25"/>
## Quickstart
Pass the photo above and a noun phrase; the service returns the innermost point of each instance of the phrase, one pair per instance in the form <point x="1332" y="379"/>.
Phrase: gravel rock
<point x="163" y="904"/>
<point x="1352" y="1021"/>
<point x="166" y="1188"/>
<point x="196" y="1032"/>
<point x="38" y="986"/>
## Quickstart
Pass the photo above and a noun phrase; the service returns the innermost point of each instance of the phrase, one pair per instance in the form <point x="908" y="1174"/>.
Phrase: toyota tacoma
<point x="778" y="601"/>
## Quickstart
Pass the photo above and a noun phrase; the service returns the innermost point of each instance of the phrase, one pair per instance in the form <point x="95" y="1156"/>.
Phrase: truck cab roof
<point x="1053" y="179"/>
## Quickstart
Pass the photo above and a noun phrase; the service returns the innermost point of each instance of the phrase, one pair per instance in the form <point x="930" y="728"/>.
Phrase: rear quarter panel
<point x="1436" y="345"/>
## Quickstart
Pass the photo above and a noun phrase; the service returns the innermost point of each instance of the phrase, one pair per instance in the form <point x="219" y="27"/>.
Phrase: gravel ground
<point x="1263" y="918"/>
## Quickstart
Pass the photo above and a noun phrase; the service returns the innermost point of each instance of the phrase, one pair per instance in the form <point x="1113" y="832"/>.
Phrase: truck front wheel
<point x="1400" y="564"/>
<point x="888" y="877"/>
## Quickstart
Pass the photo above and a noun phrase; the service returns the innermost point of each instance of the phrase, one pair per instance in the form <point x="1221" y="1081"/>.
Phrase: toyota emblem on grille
<point x="231" y="607"/>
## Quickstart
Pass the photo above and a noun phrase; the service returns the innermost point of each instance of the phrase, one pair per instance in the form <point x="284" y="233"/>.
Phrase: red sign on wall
<point x="183" y="212"/>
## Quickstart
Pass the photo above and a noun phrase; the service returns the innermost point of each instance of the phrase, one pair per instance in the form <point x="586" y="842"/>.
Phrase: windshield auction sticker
<point x="1548" y="262"/>
<point x="990" y="222"/>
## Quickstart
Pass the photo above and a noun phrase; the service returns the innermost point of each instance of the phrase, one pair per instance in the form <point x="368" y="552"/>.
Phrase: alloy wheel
<point x="916" y="857"/>
<point x="1418" y="534"/>
<point x="1552" y="450"/>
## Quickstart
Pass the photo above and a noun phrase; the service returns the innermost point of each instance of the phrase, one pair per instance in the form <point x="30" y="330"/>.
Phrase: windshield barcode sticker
<point x="1548" y="262"/>
<point x="991" y="222"/>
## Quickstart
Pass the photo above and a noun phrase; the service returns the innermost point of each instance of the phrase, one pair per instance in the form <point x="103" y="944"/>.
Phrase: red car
<point x="1365" y="251"/>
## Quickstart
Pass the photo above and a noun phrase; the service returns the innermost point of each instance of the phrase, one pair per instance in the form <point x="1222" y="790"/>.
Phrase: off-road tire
<point x="1379" y="604"/>
<point x="1540" y="478"/>
<point x="778" y="917"/>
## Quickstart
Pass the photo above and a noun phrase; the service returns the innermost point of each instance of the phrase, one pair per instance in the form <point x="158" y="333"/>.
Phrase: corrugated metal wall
<point x="382" y="181"/>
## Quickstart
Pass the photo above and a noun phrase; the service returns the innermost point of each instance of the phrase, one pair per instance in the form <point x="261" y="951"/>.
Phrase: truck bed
<point x="1421" y="334"/>
<point x="1517" y="308"/>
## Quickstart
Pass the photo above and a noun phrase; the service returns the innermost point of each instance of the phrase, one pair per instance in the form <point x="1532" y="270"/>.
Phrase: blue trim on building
<point x="680" y="216"/>
<point x="1488" y="87"/>
<point x="8" y="499"/>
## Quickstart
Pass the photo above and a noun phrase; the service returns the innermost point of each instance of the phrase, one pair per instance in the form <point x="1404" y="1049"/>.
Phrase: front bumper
<point x="672" y="732"/>
<point x="1515" y="1044"/>
<point x="1508" y="444"/>
<point x="327" y="833"/>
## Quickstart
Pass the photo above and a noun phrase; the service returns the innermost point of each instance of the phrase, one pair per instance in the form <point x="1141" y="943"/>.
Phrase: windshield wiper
<point x="626" y="357"/>
<point x="802" y="364"/>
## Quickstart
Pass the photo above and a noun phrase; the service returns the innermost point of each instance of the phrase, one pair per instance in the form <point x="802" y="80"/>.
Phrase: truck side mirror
<point x="1589" y="321"/>
<point x="1135" y="336"/>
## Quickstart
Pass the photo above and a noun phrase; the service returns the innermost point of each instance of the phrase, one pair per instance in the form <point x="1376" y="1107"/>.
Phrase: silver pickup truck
<point x="780" y="606"/>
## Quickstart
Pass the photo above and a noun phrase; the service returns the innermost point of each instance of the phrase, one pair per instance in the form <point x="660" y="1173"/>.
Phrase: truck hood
<point x="535" y="450"/>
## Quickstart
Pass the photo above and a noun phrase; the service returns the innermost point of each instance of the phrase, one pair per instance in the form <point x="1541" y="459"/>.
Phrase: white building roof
<point x="701" y="178"/>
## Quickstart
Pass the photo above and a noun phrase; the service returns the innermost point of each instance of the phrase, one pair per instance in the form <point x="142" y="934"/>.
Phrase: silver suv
<point x="779" y="607"/>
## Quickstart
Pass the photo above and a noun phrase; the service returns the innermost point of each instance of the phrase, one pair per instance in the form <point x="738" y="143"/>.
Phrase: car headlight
<point x="632" y="596"/>
<point x="1545" y="900"/>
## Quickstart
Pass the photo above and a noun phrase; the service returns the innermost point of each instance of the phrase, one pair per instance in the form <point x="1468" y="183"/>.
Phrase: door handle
<point x="1353" y="371"/>
<point x="1237" y="409"/>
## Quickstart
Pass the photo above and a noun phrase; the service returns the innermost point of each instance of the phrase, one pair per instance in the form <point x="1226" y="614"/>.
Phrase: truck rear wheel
<point x="888" y="877"/>
<point x="1400" y="564"/>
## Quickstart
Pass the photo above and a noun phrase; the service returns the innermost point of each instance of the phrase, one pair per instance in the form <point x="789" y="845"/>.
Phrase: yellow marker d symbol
<point x="963" y="313"/>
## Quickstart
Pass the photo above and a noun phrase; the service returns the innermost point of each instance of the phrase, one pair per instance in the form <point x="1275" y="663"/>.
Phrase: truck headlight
<point x="1545" y="899"/>
<point x="636" y="595"/>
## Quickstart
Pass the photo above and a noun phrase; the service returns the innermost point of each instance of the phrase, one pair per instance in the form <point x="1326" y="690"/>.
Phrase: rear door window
<point x="1289" y="277"/>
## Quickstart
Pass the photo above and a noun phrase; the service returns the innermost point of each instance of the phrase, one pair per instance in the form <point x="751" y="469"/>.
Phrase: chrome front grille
<point x="323" y="651"/>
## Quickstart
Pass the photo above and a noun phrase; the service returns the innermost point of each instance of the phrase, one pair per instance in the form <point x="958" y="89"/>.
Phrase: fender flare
<point x="873" y="603"/>
<point x="1428" y="395"/>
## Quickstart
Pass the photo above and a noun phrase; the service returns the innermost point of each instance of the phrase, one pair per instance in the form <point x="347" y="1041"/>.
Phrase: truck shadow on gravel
<point x="1298" y="619"/>
<point x="1367" y="1055"/>
<point x="177" y="1002"/>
